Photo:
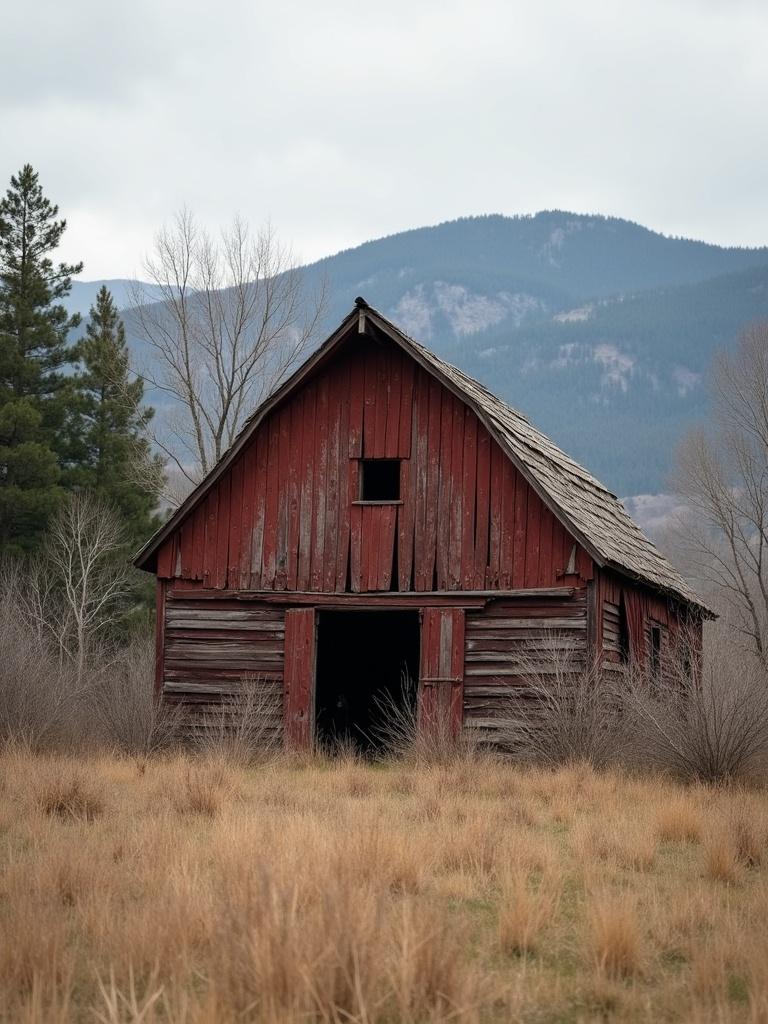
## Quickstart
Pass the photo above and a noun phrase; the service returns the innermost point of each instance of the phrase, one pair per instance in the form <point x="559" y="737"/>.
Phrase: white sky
<point x="344" y="121"/>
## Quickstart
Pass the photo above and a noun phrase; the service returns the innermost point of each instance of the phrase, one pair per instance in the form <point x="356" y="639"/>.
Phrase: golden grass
<point x="190" y="891"/>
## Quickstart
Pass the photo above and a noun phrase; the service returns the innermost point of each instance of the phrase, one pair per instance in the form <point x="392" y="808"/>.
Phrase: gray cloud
<point x="343" y="121"/>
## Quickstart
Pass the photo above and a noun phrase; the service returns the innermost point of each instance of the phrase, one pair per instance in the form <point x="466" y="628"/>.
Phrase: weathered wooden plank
<point x="495" y="499"/>
<point x="433" y="477"/>
<point x="551" y="623"/>
<point x="281" y="524"/>
<point x="293" y="485"/>
<point x="386" y="531"/>
<point x="532" y="540"/>
<point x="522" y="492"/>
<point x="391" y="440"/>
<point x="356" y="406"/>
<point x="320" y="485"/>
<point x="335" y="402"/>
<point x="421" y="439"/>
<point x="235" y="524"/>
<point x="407" y="374"/>
<point x="211" y="523"/>
<point x="441" y="669"/>
<point x="369" y="404"/>
<point x="468" y="487"/>
<point x="510" y="480"/>
<point x="306" y="497"/>
<point x="299" y="676"/>
<point x="356" y="547"/>
<point x="260" y="507"/>
<point x="269" y="560"/>
<point x="406" y="523"/>
<point x="186" y="545"/>
<point x="443" y="534"/>
<point x="381" y="401"/>
<point x="345" y="497"/>
<point x="482" y="518"/>
<point x="456" y="507"/>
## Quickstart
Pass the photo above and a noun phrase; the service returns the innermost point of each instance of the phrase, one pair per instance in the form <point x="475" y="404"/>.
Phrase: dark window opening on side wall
<point x="380" y="480"/>
<point x="655" y="653"/>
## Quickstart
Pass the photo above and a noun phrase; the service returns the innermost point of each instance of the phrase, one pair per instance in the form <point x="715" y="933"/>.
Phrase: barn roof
<point x="588" y="510"/>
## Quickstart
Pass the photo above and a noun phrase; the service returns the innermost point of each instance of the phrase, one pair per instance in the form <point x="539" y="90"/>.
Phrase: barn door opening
<point x="364" y="662"/>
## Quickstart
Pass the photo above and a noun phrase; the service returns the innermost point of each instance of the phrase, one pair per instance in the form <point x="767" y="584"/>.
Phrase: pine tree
<point x="34" y="392"/>
<point x="113" y="455"/>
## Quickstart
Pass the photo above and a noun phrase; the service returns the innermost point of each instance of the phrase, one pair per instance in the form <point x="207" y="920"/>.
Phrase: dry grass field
<point x="184" y="891"/>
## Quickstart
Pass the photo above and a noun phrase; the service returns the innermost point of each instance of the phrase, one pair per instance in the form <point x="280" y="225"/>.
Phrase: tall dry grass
<point x="194" y="889"/>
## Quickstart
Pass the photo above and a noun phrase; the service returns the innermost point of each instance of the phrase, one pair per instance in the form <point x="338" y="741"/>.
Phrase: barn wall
<point x="284" y="515"/>
<point x="210" y="647"/>
<point x="506" y="643"/>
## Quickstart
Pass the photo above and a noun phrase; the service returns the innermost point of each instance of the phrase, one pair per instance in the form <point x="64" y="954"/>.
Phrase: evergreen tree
<point x="34" y="392"/>
<point x="113" y="455"/>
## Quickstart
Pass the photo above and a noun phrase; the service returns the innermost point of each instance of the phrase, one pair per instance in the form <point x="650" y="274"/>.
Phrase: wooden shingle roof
<point x="588" y="510"/>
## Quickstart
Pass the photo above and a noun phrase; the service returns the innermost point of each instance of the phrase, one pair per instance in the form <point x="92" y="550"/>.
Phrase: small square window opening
<point x="380" y="480"/>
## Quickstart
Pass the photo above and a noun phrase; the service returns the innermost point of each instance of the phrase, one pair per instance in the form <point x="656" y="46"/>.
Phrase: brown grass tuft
<point x="679" y="820"/>
<point x="615" y="937"/>
<point x="70" y="798"/>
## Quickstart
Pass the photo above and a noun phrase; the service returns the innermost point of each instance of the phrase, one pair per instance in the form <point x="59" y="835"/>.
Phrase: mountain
<point x="83" y="294"/>
<point x="600" y="330"/>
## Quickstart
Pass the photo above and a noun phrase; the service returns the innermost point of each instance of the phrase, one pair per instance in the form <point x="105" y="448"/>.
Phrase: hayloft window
<point x="380" y="480"/>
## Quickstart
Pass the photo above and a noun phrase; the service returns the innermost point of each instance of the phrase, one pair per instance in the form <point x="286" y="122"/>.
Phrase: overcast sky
<point x="344" y="121"/>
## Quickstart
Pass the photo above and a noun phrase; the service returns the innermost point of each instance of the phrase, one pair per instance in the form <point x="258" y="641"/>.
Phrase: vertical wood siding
<point x="284" y="516"/>
<point x="300" y="653"/>
<point x="441" y="672"/>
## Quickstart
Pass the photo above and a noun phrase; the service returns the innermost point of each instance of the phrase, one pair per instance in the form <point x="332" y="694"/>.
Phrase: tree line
<point x="72" y="417"/>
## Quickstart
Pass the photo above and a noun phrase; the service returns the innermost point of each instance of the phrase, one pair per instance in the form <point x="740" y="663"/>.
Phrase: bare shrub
<point x="243" y="727"/>
<point x="710" y="726"/>
<point x="40" y="699"/>
<point x="126" y="706"/>
<point x="567" y="711"/>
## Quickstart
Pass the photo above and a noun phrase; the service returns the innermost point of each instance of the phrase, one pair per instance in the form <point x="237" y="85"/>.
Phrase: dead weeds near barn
<point x="181" y="890"/>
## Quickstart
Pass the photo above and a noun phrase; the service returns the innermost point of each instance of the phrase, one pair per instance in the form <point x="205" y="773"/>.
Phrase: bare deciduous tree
<point x="75" y="584"/>
<point x="232" y="317"/>
<point x="723" y="477"/>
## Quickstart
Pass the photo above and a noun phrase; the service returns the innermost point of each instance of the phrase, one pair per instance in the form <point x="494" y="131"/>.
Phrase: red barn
<point x="382" y="512"/>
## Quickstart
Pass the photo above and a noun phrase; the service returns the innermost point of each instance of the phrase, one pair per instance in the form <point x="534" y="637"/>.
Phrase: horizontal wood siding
<point x="210" y="648"/>
<point x="508" y="642"/>
<point x="283" y="517"/>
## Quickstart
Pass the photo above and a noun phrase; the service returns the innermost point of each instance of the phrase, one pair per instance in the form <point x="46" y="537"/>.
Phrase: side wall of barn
<point x="636" y="624"/>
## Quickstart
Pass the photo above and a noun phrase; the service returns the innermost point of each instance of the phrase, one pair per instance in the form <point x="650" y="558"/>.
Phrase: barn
<point x="382" y="514"/>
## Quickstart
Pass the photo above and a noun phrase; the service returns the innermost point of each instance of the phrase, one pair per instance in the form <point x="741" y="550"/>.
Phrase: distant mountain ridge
<point x="600" y="330"/>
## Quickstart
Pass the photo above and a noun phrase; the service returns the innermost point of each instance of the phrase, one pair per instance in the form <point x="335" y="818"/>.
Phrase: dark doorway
<point x="363" y="659"/>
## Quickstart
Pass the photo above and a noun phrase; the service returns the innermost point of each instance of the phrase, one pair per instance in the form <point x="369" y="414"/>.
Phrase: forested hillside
<point x="600" y="330"/>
